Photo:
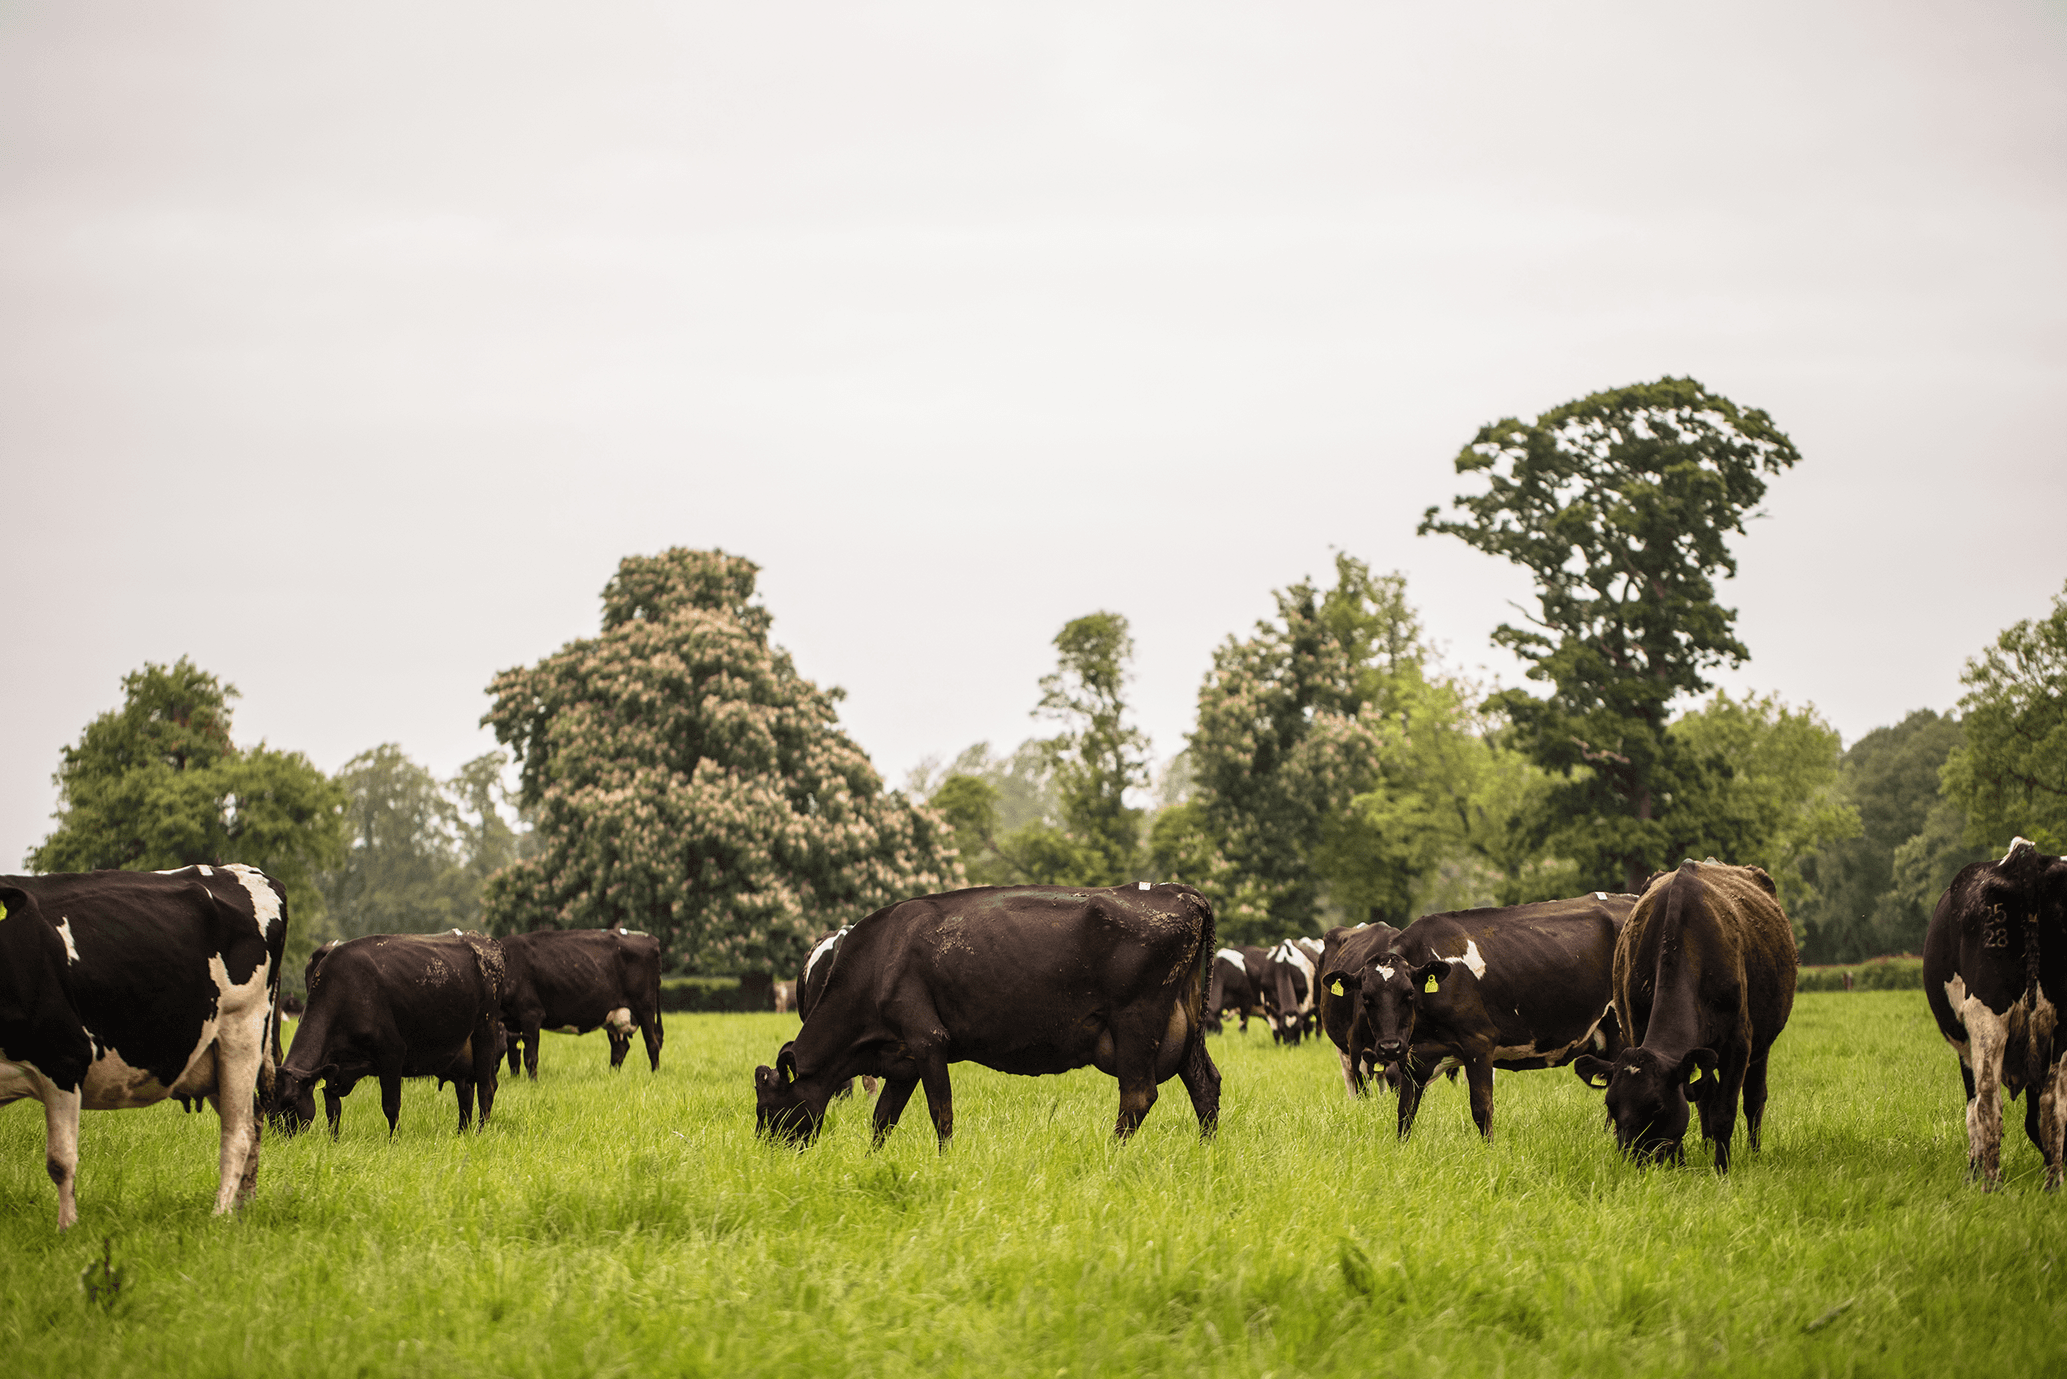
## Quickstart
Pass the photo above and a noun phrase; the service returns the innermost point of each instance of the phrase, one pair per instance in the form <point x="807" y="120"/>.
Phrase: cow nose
<point x="1389" y="1048"/>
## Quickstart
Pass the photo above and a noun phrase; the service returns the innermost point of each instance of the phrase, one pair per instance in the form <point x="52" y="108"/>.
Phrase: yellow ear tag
<point x="1334" y="986"/>
<point x="1428" y="985"/>
<point x="1693" y="1076"/>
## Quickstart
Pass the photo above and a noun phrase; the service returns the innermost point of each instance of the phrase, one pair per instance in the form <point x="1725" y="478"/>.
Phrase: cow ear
<point x="1431" y="974"/>
<point x="1337" y="981"/>
<point x="1594" y="1072"/>
<point x="15" y="901"/>
<point x="1695" y="1064"/>
<point x="786" y="1062"/>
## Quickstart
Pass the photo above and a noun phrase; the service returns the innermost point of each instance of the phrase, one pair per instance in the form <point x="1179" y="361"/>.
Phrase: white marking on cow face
<point x="825" y="945"/>
<point x="64" y="929"/>
<point x="1384" y="972"/>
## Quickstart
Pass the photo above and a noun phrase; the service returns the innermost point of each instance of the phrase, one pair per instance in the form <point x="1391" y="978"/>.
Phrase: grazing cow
<point x="1350" y="950"/>
<point x="1994" y="964"/>
<point x="810" y="985"/>
<point x="1236" y="984"/>
<point x="1288" y="988"/>
<point x="120" y="988"/>
<point x="576" y="980"/>
<point x="1024" y="979"/>
<point x="1704" y="981"/>
<point x="393" y="1006"/>
<point x="1520" y="987"/>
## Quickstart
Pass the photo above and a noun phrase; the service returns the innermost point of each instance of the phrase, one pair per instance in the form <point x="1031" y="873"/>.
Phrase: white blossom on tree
<point x="684" y="780"/>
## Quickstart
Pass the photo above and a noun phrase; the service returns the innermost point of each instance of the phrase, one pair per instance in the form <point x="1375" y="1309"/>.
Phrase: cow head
<point x="293" y="1106"/>
<point x="1648" y="1097"/>
<point x="1388" y="995"/>
<point x="781" y="1110"/>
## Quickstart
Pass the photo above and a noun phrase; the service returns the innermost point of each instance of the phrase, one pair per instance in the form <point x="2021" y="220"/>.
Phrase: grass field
<point x="631" y="1224"/>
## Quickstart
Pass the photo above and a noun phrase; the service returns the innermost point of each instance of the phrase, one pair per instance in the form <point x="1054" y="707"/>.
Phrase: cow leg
<point x="333" y="1107"/>
<point x="1350" y="1081"/>
<point x="939" y="1095"/>
<point x="2052" y="1125"/>
<point x="531" y="1052"/>
<point x="1719" y="1107"/>
<point x="650" y="1029"/>
<point x="1202" y="1083"/>
<point x="391" y="1099"/>
<point x="1755" y="1100"/>
<point x="463" y="1089"/>
<point x="487" y="1068"/>
<point x="1411" y="1088"/>
<point x="236" y="1084"/>
<point x="61" y="1149"/>
<point x="1987" y="1037"/>
<point x="890" y="1106"/>
<point x="1478" y="1077"/>
<point x="516" y="1050"/>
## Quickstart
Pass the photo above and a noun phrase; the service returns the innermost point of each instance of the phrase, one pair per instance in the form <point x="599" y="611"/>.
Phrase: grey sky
<point x="346" y="349"/>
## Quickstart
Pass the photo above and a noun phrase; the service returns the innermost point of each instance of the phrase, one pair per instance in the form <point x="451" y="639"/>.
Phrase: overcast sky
<point x="346" y="349"/>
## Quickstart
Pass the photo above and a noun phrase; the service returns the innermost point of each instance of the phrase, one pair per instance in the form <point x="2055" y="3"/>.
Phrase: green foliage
<point x="420" y="849"/>
<point x="1891" y="776"/>
<point x="1097" y="757"/>
<point x="1769" y="793"/>
<point x="684" y="780"/>
<point x="1036" y="1244"/>
<point x="1619" y="504"/>
<point x="2011" y="772"/>
<point x="1881" y="974"/>
<point x="158" y="783"/>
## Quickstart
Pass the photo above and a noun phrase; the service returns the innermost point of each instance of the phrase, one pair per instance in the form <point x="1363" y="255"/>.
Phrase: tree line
<point x="675" y="774"/>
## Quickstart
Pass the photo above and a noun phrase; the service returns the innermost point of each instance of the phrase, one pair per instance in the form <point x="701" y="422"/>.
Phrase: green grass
<point x="631" y="1224"/>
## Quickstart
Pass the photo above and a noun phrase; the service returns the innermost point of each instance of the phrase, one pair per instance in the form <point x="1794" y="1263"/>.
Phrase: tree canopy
<point x="1619" y="505"/>
<point x="2010" y="773"/>
<point x="684" y="780"/>
<point x="158" y="783"/>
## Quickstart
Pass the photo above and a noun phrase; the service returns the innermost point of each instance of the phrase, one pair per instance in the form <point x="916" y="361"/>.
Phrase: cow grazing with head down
<point x="392" y="1006"/>
<point x="1350" y="950"/>
<point x="1236" y="984"/>
<point x="577" y="980"/>
<point x="1704" y="982"/>
<point x="1288" y="988"/>
<point x="1023" y="979"/>
<point x="1517" y="988"/>
<point x="120" y="989"/>
<point x="1994" y="966"/>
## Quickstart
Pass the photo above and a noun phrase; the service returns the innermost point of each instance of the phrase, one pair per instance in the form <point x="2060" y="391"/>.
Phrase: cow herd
<point x="120" y="989"/>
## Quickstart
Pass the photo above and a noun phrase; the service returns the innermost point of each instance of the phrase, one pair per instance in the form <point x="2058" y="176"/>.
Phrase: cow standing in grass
<point x="1023" y="979"/>
<point x="119" y="989"/>
<point x="1704" y="982"/>
<point x="1236" y="984"/>
<point x="1288" y="988"/>
<point x="1994" y="965"/>
<point x="1351" y="951"/>
<point x="392" y="1006"/>
<point x="576" y="980"/>
<point x="1517" y="988"/>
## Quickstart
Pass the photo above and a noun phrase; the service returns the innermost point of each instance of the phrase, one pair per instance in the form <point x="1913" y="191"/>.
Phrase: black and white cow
<point x="1023" y="979"/>
<point x="1236" y="984"/>
<point x="810" y="985"/>
<point x="1517" y="988"/>
<point x="122" y="988"/>
<point x="1994" y="966"/>
<point x="1704" y="982"/>
<point x="1288" y="988"/>
<point x="576" y="980"/>
<point x="1350" y="950"/>
<point x="393" y="1006"/>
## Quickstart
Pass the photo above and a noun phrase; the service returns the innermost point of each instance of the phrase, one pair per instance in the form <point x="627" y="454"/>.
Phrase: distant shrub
<point x="1903" y="973"/>
<point x="754" y="992"/>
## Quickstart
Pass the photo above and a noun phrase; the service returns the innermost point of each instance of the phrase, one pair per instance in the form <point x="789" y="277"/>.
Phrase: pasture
<point x="631" y="1224"/>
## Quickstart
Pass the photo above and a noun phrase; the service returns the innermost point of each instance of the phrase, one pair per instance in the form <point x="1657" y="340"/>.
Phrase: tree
<point x="158" y="783"/>
<point x="1891" y="776"/>
<point x="1619" y="504"/>
<point x="1098" y="756"/>
<point x="1769" y="791"/>
<point x="2010" y="774"/>
<point x="684" y="780"/>
<point x="420" y="849"/>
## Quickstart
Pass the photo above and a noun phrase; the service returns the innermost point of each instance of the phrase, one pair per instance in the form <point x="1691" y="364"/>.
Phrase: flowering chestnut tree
<point x="684" y="780"/>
